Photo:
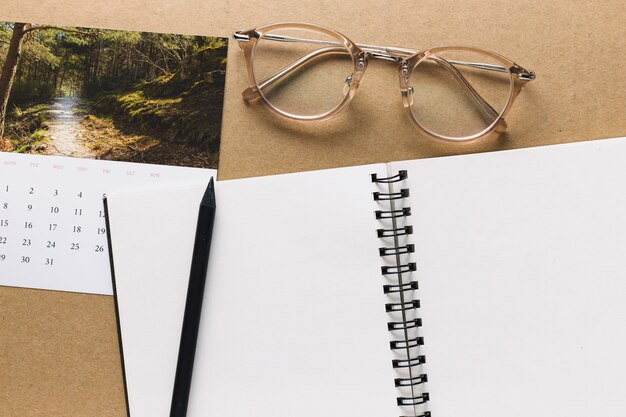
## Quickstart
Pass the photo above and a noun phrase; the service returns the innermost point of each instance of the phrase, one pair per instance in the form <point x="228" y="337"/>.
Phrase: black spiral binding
<point x="403" y="287"/>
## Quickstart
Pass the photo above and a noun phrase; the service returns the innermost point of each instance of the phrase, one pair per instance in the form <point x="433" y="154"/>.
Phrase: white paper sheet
<point x="293" y="320"/>
<point x="519" y="261"/>
<point x="52" y="226"/>
<point x="152" y="251"/>
<point x="522" y="274"/>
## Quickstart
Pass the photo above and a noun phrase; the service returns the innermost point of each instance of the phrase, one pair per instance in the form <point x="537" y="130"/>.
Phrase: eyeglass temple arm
<point x="383" y="52"/>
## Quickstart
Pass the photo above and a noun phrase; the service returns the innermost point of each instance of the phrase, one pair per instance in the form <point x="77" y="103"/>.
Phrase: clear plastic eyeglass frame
<point x="408" y="60"/>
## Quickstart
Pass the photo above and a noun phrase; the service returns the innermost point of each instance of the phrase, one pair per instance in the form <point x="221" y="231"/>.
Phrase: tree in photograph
<point x="9" y="69"/>
<point x="20" y="33"/>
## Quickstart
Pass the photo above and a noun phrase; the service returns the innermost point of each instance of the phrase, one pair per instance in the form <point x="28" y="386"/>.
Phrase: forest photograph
<point x="109" y="94"/>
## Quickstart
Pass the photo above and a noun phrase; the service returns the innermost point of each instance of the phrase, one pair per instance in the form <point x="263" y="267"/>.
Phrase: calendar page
<point x="92" y="110"/>
<point x="52" y="225"/>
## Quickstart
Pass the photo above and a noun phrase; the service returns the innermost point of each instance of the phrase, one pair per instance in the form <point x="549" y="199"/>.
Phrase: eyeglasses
<point x="309" y="73"/>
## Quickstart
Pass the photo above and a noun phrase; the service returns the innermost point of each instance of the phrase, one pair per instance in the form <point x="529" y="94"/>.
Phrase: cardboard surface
<point x="58" y="351"/>
<point x="58" y="355"/>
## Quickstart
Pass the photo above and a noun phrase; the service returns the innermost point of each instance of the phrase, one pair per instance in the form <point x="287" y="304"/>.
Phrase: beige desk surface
<point x="58" y="351"/>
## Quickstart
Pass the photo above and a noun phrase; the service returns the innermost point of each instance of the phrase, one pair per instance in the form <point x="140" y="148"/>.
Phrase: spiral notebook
<point x="466" y="286"/>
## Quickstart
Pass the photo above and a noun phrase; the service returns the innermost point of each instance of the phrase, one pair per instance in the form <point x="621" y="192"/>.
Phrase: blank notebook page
<point x="522" y="273"/>
<point x="293" y="320"/>
<point x="152" y="242"/>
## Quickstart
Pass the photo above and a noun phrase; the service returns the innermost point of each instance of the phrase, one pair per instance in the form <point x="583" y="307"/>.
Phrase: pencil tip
<point x="209" y="195"/>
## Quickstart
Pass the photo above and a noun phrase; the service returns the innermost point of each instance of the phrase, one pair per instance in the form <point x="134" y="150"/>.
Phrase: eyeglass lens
<point x="302" y="72"/>
<point x="458" y="93"/>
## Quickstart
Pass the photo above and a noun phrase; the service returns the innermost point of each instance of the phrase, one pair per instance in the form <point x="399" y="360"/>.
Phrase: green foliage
<point x="41" y="51"/>
<point x="38" y="136"/>
<point x="26" y="128"/>
<point x="6" y="28"/>
<point x="187" y="109"/>
<point x="17" y="112"/>
<point x="5" y="38"/>
<point x="23" y="148"/>
<point x="36" y="139"/>
<point x="87" y="62"/>
<point x="170" y="86"/>
<point x="113" y="37"/>
<point x="37" y="110"/>
<point x="30" y="91"/>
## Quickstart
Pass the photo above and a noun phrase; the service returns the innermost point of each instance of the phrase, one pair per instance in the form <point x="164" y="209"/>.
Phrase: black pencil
<point x="193" y="305"/>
